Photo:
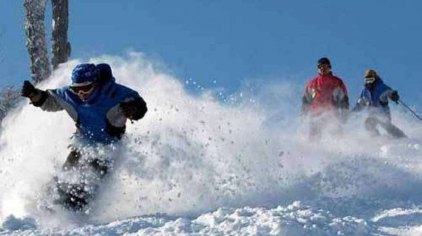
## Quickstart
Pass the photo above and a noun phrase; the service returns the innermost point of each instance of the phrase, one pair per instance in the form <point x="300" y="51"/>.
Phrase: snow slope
<point x="213" y="164"/>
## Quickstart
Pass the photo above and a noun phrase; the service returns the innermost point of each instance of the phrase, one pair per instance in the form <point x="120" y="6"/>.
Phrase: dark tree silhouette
<point x="36" y="40"/>
<point x="60" y="44"/>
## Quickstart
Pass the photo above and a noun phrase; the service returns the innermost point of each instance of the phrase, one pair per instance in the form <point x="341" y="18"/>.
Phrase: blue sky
<point x="234" y="41"/>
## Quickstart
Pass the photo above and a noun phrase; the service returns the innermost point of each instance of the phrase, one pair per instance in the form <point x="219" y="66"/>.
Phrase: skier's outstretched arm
<point x="392" y="94"/>
<point x="40" y="98"/>
<point x="37" y="96"/>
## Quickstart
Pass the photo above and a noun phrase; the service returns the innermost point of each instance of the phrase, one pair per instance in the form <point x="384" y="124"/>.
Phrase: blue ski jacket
<point x="376" y="99"/>
<point x="100" y="118"/>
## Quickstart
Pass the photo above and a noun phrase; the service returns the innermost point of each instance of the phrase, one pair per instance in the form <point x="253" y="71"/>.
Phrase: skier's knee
<point x="371" y="125"/>
<point x="100" y="166"/>
<point x="72" y="159"/>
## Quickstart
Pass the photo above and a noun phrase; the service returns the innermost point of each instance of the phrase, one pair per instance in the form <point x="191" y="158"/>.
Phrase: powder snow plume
<point x="194" y="154"/>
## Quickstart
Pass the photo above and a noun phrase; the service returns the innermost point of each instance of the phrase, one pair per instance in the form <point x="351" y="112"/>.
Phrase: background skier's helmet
<point x="370" y="76"/>
<point x="84" y="74"/>
<point x="324" y="60"/>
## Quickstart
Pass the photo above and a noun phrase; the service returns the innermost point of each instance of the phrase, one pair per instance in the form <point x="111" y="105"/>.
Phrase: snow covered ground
<point x="211" y="164"/>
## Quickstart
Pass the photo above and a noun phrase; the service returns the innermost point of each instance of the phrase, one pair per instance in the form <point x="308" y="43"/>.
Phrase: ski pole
<point x="410" y="109"/>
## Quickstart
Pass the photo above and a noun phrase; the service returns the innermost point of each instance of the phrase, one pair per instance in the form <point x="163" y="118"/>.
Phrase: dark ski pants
<point x="371" y="124"/>
<point x="73" y="161"/>
<point x="76" y="197"/>
<point x="324" y="124"/>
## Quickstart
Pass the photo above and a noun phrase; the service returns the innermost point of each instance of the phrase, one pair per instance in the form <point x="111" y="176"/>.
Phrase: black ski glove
<point x="395" y="96"/>
<point x="134" y="109"/>
<point x="28" y="90"/>
<point x="36" y="96"/>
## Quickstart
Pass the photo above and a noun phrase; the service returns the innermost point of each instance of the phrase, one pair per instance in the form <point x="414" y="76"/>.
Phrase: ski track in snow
<point x="211" y="165"/>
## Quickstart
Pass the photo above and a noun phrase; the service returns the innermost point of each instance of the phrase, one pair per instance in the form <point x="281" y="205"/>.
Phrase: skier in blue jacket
<point x="100" y="108"/>
<point x="375" y="95"/>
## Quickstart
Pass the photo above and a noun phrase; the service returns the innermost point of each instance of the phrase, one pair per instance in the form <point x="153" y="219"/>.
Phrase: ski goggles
<point x="369" y="80"/>
<point x="85" y="88"/>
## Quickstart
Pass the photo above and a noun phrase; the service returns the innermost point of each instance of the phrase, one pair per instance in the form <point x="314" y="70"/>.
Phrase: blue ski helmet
<point x="84" y="74"/>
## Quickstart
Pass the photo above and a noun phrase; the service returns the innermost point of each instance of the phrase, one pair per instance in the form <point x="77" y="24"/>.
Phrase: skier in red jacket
<point x="325" y="100"/>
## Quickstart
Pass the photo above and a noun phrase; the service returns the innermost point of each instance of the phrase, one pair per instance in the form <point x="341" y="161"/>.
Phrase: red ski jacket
<point x="324" y="93"/>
